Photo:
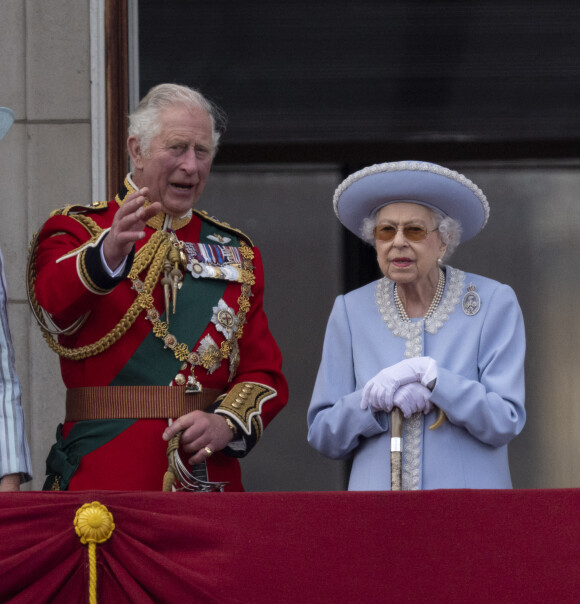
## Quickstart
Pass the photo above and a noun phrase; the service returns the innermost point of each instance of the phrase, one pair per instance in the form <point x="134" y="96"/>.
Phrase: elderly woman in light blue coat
<point x="441" y="347"/>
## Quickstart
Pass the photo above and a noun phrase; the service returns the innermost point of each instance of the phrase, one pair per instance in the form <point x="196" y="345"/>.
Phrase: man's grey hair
<point x="144" y="122"/>
<point x="449" y="230"/>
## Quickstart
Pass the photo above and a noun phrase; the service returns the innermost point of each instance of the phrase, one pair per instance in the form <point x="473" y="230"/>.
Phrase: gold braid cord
<point x="94" y="231"/>
<point x="171" y="474"/>
<point x="153" y="254"/>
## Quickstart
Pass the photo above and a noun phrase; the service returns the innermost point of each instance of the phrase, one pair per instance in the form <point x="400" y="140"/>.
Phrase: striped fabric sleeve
<point x="14" y="451"/>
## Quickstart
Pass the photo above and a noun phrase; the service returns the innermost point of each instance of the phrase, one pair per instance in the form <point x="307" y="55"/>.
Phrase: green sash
<point x="86" y="436"/>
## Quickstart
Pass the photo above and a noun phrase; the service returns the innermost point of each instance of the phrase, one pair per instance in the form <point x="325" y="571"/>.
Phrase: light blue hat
<point x="6" y="120"/>
<point x="363" y="193"/>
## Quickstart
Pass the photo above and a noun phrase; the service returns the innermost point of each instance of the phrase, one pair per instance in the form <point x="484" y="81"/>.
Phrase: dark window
<point x="322" y="80"/>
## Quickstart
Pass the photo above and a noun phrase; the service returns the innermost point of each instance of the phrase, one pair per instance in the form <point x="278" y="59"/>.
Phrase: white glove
<point x="379" y="391"/>
<point x="412" y="398"/>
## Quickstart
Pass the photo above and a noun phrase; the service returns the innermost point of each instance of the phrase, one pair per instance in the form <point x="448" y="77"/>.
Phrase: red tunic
<point x="70" y="284"/>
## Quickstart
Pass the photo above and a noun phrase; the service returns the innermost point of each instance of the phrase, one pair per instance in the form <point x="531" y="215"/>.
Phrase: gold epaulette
<point x="96" y="206"/>
<point x="223" y="225"/>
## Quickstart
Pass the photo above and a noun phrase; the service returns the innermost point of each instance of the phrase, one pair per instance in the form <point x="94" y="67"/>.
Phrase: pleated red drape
<point x="252" y="548"/>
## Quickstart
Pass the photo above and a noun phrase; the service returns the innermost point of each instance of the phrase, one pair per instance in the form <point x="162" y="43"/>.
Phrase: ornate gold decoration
<point x="157" y="249"/>
<point x="181" y="350"/>
<point x="226" y="348"/>
<point x="93" y="524"/>
<point x="243" y="404"/>
<point x="157" y="221"/>
<point x="172" y="275"/>
<point x="208" y="354"/>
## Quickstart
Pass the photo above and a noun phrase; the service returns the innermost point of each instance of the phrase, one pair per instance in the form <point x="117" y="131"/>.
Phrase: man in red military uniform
<point x="170" y="368"/>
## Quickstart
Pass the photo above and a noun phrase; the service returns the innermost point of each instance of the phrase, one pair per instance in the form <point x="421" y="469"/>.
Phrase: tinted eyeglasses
<point x="411" y="232"/>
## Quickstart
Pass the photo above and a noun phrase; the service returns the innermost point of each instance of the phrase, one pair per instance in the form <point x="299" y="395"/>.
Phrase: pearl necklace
<point x="434" y="303"/>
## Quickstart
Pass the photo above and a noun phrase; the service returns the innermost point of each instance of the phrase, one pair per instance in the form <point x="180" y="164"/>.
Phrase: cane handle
<point x="439" y="421"/>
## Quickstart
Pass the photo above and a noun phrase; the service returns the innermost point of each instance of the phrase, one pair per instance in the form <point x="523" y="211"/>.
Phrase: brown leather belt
<point x="135" y="402"/>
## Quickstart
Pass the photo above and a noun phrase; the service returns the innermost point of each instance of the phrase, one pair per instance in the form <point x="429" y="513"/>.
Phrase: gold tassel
<point x="171" y="473"/>
<point x="93" y="524"/>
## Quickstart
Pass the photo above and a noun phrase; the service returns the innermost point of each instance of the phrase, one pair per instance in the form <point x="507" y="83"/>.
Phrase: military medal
<point x="471" y="301"/>
<point x="212" y="261"/>
<point x="225" y="319"/>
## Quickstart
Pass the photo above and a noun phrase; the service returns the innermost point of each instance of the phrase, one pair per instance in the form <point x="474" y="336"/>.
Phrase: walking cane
<point x="396" y="449"/>
<point x="396" y="444"/>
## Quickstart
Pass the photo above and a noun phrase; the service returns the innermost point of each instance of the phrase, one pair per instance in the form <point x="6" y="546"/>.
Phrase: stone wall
<point x="45" y="163"/>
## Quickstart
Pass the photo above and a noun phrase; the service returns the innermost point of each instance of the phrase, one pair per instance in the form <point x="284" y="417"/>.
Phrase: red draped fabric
<point x="253" y="548"/>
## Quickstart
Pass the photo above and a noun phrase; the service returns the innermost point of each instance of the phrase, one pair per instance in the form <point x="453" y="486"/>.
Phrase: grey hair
<point x="449" y="231"/>
<point x="144" y="123"/>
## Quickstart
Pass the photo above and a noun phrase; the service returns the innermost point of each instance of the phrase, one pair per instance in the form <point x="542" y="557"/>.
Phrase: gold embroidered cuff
<point x="243" y="404"/>
<point x="90" y="268"/>
<point x="84" y="272"/>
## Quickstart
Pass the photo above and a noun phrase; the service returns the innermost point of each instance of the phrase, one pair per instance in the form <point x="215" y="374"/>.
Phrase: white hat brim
<point x="364" y="192"/>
